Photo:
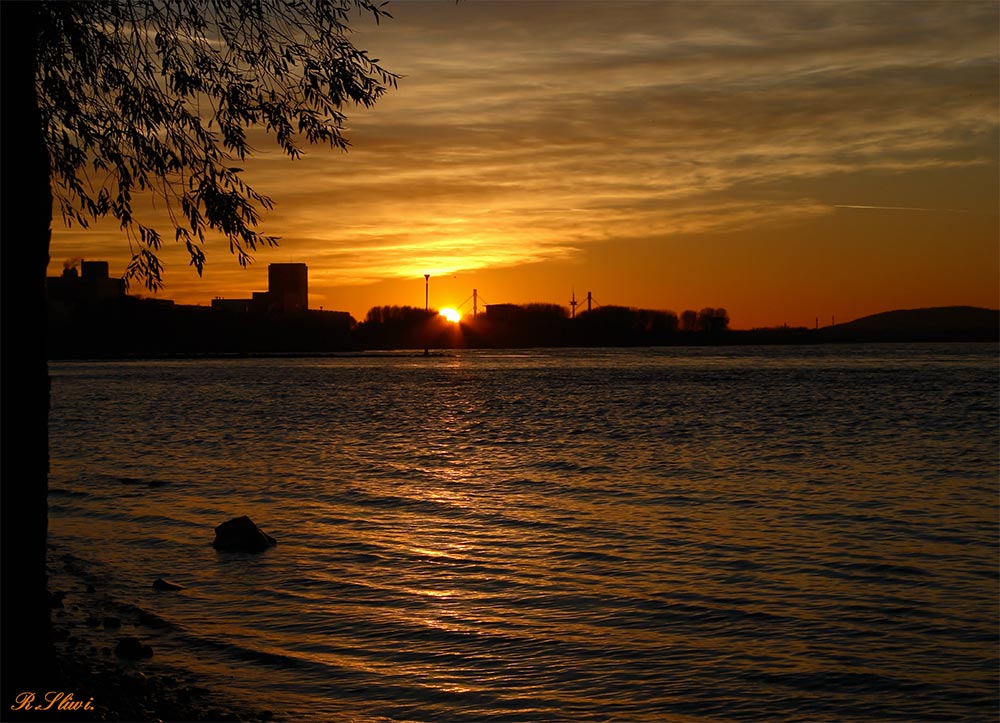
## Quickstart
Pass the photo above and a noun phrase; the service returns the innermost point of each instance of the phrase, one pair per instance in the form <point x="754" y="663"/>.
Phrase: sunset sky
<point x="789" y="161"/>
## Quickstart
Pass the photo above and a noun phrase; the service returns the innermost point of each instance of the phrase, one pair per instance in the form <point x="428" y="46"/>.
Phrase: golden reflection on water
<point x="473" y="540"/>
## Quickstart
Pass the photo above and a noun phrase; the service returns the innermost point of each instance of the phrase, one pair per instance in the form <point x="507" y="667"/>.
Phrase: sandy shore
<point x="113" y="682"/>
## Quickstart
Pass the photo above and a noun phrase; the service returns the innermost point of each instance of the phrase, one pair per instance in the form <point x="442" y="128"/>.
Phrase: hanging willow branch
<point x="157" y="96"/>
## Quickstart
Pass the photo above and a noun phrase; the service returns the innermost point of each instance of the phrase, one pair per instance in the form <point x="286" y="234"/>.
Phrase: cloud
<point x="522" y="132"/>
<point x="901" y="208"/>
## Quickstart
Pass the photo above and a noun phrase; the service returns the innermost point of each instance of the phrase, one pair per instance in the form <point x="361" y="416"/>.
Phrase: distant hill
<point x="942" y="323"/>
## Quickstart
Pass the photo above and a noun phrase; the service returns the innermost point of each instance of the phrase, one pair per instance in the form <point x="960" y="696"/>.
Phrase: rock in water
<point x="152" y="620"/>
<point x="161" y="584"/>
<point x="241" y="534"/>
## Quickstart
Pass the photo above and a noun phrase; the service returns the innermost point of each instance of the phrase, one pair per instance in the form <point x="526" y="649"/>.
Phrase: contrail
<point x="905" y="208"/>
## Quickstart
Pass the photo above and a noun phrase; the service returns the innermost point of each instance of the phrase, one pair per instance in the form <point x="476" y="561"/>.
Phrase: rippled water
<point x="748" y="534"/>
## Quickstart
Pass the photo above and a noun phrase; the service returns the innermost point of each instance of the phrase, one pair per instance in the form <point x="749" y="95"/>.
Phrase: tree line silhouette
<point x="131" y="326"/>
<point x="537" y="324"/>
<point x="134" y="327"/>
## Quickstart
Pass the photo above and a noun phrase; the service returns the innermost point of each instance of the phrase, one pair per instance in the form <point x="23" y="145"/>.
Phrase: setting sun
<point x="452" y="315"/>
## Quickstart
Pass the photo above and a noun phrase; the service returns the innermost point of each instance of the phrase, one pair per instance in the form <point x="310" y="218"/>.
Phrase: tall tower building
<point x="288" y="286"/>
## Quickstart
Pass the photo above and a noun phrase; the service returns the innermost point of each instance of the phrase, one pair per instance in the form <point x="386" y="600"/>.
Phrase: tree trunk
<point x="25" y="229"/>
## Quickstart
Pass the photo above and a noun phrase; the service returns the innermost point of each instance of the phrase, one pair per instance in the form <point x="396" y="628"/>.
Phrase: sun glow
<point x="452" y="315"/>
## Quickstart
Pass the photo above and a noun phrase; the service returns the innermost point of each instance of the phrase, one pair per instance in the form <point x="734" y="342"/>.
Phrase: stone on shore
<point x="133" y="649"/>
<point x="241" y="534"/>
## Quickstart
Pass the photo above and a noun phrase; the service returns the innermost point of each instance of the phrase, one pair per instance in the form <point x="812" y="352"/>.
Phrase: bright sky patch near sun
<point x="789" y="161"/>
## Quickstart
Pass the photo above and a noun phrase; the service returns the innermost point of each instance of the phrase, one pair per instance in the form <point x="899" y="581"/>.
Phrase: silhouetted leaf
<point x="158" y="96"/>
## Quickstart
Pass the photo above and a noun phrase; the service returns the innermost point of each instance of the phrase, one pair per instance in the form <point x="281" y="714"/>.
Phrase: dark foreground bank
<point x="98" y="677"/>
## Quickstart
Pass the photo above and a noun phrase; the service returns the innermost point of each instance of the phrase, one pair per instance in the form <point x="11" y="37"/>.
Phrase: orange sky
<point x="789" y="161"/>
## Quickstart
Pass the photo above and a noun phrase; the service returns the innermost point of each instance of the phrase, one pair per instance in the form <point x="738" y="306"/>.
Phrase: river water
<point x="697" y="534"/>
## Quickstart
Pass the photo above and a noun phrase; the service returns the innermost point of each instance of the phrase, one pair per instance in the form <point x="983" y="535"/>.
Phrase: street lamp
<point x="427" y="287"/>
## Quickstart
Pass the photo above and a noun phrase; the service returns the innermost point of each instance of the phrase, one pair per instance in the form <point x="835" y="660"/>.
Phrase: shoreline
<point x="91" y="670"/>
<point x="450" y="352"/>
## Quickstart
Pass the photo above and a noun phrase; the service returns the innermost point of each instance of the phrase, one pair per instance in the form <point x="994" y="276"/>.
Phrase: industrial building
<point x="287" y="291"/>
<point x="90" y="282"/>
<point x="504" y="313"/>
<point x="288" y="287"/>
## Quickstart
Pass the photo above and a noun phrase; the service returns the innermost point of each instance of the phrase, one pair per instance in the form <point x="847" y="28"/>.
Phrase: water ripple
<point x="790" y="534"/>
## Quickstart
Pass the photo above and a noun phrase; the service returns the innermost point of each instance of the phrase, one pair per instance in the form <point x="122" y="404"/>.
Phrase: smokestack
<point x="69" y="268"/>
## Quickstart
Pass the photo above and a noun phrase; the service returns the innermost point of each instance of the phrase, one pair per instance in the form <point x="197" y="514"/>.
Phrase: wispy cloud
<point x="522" y="132"/>
<point x="904" y="208"/>
<point x="585" y="122"/>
